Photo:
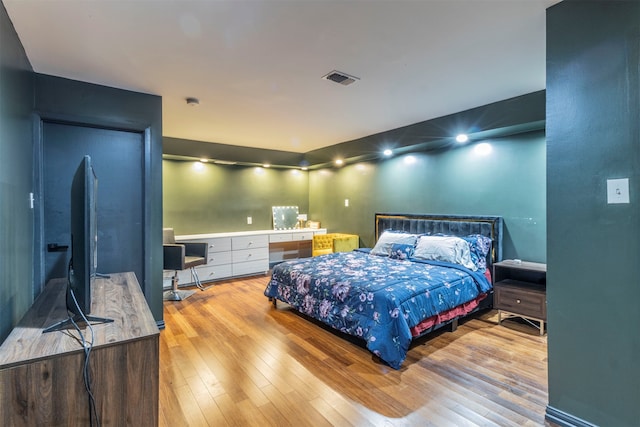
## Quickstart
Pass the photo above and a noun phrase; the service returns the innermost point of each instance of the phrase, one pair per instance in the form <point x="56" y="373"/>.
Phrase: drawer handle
<point x="250" y="243"/>
<point x="518" y="301"/>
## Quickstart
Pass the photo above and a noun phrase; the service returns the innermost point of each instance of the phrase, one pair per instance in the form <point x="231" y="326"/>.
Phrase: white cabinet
<point x="242" y="253"/>
<point x="250" y="255"/>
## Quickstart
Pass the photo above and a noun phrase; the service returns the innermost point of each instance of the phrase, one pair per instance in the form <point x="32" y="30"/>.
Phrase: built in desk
<point x="245" y="253"/>
<point x="41" y="375"/>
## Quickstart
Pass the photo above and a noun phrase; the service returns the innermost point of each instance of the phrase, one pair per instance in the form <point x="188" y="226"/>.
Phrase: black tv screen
<point x="84" y="236"/>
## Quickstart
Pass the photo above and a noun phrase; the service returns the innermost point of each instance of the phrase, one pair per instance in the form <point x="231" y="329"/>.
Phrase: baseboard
<point x="160" y="324"/>
<point x="565" y="420"/>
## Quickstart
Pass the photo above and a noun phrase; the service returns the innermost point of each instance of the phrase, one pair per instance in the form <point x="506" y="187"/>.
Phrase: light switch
<point x="618" y="190"/>
<point x="249" y="220"/>
<point x="346" y="203"/>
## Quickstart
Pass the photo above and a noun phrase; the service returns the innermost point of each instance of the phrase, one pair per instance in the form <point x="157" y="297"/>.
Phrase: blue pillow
<point x="401" y="251"/>
<point x="479" y="246"/>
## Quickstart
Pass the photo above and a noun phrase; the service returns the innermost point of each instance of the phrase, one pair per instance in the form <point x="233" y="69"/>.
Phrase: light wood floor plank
<point x="189" y="407"/>
<point x="228" y="357"/>
<point x="289" y="414"/>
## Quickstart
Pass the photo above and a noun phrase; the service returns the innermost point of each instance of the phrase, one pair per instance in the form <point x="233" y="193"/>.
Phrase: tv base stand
<point x="76" y="320"/>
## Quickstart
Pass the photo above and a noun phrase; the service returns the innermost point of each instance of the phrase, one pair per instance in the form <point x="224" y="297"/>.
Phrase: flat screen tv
<point x="81" y="272"/>
<point x="84" y="237"/>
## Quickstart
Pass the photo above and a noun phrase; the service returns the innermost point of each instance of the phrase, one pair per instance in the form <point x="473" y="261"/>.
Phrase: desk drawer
<point x="220" y="244"/>
<point x="280" y="237"/>
<point x="219" y="258"/>
<point x="307" y="235"/>
<point x="248" y="242"/>
<point x="251" y="267"/>
<point x="249" y="255"/>
<point x="208" y="273"/>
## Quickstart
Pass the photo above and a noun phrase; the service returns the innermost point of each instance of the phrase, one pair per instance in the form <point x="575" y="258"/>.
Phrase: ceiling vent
<point x="340" y="77"/>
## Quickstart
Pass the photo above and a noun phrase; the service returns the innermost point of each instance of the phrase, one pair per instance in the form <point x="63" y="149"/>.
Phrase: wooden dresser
<point x="41" y="381"/>
<point x="520" y="289"/>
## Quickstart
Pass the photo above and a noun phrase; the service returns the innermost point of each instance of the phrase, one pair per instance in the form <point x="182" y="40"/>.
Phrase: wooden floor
<point x="228" y="357"/>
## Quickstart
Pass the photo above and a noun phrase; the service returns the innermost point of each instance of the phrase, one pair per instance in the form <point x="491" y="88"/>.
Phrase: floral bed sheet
<point x="376" y="298"/>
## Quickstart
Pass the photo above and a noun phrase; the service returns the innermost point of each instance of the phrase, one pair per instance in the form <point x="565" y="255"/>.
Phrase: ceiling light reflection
<point x="409" y="160"/>
<point x="483" y="149"/>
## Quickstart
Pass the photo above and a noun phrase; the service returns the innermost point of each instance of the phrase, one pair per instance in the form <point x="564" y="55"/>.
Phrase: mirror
<point x="284" y="217"/>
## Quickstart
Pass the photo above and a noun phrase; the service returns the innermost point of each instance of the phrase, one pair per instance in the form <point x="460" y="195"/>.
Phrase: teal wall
<point x="16" y="178"/>
<point x="593" y="279"/>
<point x="508" y="181"/>
<point x="218" y="198"/>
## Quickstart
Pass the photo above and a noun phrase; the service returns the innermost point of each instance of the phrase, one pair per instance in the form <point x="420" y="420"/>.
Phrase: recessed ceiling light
<point x="463" y="137"/>
<point x="192" y="102"/>
<point x="203" y="160"/>
<point x="266" y="165"/>
<point x="339" y="162"/>
<point x="387" y="152"/>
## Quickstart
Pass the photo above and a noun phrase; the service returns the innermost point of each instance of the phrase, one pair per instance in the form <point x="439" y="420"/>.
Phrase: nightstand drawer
<point x="518" y="298"/>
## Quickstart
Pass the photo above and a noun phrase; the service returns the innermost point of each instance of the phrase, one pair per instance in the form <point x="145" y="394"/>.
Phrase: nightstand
<point x="520" y="290"/>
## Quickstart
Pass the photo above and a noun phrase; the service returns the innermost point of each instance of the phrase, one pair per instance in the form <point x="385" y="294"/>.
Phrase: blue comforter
<point x="376" y="298"/>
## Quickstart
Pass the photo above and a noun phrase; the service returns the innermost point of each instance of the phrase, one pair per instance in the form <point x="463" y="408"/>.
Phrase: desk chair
<point x="180" y="256"/>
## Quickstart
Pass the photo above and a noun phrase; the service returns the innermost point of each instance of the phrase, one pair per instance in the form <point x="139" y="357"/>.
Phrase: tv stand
<point x="41" y="381"/>
<point x="78" y="320"/>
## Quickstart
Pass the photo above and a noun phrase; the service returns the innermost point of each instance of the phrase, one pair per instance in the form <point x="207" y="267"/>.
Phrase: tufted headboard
<point x="455" y="225"/>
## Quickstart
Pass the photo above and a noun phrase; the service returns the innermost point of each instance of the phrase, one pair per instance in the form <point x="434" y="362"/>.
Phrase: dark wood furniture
<point x="41" y="375"/>
<point x="520" y="290"/>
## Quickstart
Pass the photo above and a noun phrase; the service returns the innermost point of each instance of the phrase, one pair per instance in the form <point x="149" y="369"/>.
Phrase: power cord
<point x="86" y="371"/>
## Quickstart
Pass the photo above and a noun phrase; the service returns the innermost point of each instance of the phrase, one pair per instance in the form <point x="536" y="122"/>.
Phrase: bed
<point x="424" y="272"/>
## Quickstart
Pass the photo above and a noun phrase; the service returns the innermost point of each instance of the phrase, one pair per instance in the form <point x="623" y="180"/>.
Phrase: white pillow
<point x="445" y="248"/>
<point x="389" y="238"/>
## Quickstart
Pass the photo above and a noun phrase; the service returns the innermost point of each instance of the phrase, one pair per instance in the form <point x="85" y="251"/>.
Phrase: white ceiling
<point x="256" y="66"/>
